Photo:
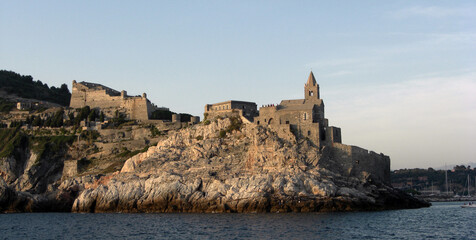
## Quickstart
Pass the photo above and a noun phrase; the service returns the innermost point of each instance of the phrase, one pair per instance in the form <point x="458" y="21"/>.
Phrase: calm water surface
<point x="441" y="221"/>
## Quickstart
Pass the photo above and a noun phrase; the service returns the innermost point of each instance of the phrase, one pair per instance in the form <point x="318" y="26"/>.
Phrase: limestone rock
<point x="251" y="170"/>
<point x="197" y="169"/>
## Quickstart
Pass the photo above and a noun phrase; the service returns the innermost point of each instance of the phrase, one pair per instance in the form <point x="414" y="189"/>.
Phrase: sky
<point x="399" y="77"/>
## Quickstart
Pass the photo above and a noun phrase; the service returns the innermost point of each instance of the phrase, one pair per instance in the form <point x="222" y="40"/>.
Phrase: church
<point x="305" y="117"/>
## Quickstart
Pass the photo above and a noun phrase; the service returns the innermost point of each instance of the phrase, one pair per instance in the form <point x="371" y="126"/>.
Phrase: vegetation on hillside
<point x="167" y="115"/>
<point x="5" y="105"/>
<point x="10" y="139"/>
<point x="26" y="87"/>
<point x="162" y="115"/>
<point x="15" y="138"/>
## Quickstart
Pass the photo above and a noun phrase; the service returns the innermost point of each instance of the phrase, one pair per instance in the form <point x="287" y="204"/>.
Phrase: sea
<point x="445" y="220"/>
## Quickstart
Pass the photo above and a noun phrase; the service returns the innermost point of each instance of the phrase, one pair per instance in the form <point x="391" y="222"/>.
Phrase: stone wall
<point x="109" y="100"/>
<point x="333" y="135"/>
<point x="358" y="162"/>
<point x="232" y="108"/>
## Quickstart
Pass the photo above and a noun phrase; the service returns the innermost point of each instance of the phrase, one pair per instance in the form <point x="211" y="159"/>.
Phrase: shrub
<point x="235" y="124"/>
<point x="222" y="133"/>
<point x="154" y="131"/>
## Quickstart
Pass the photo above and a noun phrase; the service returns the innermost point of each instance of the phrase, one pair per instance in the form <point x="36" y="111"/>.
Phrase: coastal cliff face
<point x="225" y="167"/>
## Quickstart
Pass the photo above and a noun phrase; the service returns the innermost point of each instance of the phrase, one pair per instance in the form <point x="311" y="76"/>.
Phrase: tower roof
<point x="311" y="81"/>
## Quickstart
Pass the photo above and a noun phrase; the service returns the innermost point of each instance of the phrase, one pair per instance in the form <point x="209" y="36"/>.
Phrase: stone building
<point x="304" y="117"/>
<point x="109" y="100"/>
<point x="23" y="105"/>
<point x="232" y="108"/>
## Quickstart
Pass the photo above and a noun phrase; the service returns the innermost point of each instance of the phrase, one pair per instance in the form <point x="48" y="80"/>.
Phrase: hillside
<point x="25" y="87"/>
<point x="219" y="166"/>
<point x="433" y="181"/>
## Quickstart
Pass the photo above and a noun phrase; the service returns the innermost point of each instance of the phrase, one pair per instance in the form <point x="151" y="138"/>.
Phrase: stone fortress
<point x="305" y="119"/>
<point x="298" y="119"/>
<point x="109" y="100"/>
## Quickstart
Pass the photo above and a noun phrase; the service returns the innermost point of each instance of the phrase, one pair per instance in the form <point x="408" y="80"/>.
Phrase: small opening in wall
<point x="287" y="122"/>
<point x="257" y="122"/>
<point x="309" y="133"/>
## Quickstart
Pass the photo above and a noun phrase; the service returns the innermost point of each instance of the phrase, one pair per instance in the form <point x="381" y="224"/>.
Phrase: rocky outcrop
<point x="28" y="171"/>
<point x="212" y="168"/>
<point x="225" y="166"/>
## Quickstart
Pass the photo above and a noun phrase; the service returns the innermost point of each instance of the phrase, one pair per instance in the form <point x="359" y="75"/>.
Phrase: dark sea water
<point x="441" y="221"/>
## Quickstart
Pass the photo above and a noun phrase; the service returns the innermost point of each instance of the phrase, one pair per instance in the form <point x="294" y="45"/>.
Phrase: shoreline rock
<point x="197" y="170"/>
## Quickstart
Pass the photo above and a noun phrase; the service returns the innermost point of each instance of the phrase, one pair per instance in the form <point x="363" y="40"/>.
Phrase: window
<point x="257" y="122"/>
<point x="287" y="122"/>
<point x="309" y="133"/>
<point x="305" y="116"/>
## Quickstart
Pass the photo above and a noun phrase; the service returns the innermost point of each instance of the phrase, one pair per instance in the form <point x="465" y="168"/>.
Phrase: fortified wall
<point x="109" y="100"/>
<point x="358" y="162"/>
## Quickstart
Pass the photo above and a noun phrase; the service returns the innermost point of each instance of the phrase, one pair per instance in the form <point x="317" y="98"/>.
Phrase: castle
<point x="109" y="100"/>
<point x="304" y="118"/>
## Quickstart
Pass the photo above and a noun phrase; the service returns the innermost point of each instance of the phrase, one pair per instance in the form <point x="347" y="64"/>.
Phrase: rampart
<point x="361" y="163"/>
<point x="109" y="100"/>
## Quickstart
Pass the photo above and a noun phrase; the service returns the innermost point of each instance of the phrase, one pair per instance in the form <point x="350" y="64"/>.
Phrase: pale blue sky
<point x="398" y="77"/>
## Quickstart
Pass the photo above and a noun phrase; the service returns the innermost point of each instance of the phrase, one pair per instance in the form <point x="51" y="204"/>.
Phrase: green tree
<point x="101" y="117"/>
<point x="37" y="121"/>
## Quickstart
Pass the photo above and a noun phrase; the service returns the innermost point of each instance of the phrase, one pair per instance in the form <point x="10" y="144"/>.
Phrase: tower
<point x="311" y="89"/>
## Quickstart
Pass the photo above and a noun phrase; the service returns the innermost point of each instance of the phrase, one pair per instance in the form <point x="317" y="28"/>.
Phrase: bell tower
<point x="311" y="88"/>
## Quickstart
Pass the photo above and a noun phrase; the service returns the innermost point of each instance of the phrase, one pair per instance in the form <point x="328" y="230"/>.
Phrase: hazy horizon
<point x="398" y="77"/>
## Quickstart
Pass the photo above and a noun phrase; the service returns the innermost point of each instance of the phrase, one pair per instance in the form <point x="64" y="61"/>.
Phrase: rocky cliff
<point x="214" y="168"/>
<point x="225" y="166"/>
